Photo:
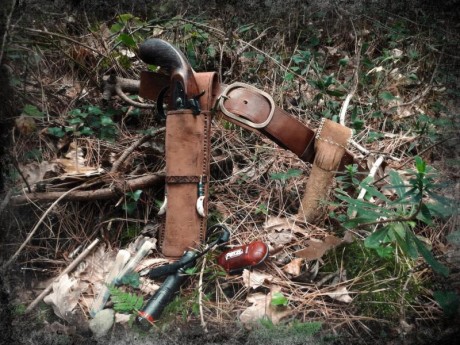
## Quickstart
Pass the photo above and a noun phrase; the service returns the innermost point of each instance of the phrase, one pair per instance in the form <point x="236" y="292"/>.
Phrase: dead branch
<point x="99" y="194"/>
<point x="7" y="27"/>
<point x="67" y="270"/>
<point x="130" y="149"/>
<point x="118" y="85"/>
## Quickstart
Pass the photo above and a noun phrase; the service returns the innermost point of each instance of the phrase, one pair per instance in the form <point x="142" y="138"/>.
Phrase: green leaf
<point x="284" y="176"/>
<point x="385" y="252"/>
<point x="32" y="110"/>
<point x="454" y="238"/>
<point x="449" y="302"/>
<point x="136" y="195"/>
<point x="129" y="207"/>
<point x="397" y="183"/>
<point x="420" y="164"/>
<point x="278" y="299"/>
<point x="106" y="121"/>
<point x="127" y="40"/>
<point x="425" y="215"/>
<point x="429" y="258"/>
<point x="344" y="61"/>
<point x="377" y="238"/>
<point x="335" y="93"/>
<point x="56" y="131"/>
<point x="116" y="27"/>
<point x="131" y="279"/>
<point x="387" y="96"/>
<point x="289" y="76"/>
<point x="125" y="17"/>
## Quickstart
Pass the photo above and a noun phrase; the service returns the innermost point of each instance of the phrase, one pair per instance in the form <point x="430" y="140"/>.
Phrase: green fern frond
<point x="125" y="302"/>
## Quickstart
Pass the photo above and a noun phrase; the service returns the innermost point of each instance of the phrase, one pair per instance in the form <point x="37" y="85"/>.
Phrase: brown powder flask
<point x="249" y="255"/>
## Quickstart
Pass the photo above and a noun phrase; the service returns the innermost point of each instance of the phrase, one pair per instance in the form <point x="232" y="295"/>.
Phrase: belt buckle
<point x="224" y="96"/>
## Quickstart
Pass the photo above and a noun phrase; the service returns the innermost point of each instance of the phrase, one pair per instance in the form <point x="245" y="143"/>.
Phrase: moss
<point x="380" y="281"/>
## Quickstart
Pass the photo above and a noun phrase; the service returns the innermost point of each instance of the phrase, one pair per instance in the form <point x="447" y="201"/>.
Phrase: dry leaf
<point x="122" y="318"/>
<point x="64" y="297"/>
<point x="255" y="278"/>
<point x="261" y="307"/>
<point x="341" y="294"/>
<point x="25" y="124"/>
<point x="316" y="249"/>
<point x="74" y="163"/>
<point x="281" y="231"/>
<point x="278" y="224"/>
<point x="36" y="172"/>
<point x="294" y="267"/>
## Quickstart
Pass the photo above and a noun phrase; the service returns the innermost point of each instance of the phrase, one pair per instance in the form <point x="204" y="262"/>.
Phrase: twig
<point x="6" y="200"/>
<point x="200" y="296"/>
<point x="100" y="194"/>
<point x="129" y="150"/>
<point x="67" y="270"/>
<point x="350" y="95"/>
<point x="29" y="237"/>
<point x="7" y="26"/>
<point x="41" y="32"/>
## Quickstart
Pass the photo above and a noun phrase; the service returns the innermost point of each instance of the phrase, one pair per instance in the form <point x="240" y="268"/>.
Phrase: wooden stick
<point x="67" y="270"/>
<point x="99" y="194"/>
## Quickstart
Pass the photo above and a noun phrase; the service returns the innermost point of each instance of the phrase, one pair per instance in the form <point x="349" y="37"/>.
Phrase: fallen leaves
<point x="262" y="308"/>
<point x="74" y="163"/>
<point x="340" y="294"/>
<point x="294" y="267"/>
<point x="316" y="249"/>
<point x="254" y="279"/>
<point x="65" y="296"/>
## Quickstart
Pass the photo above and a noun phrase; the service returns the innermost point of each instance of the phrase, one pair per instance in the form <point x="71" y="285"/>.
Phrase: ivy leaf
<point x="56" y="131"/>
<point x="32" y="110"/>
<point x="387" y="96"/>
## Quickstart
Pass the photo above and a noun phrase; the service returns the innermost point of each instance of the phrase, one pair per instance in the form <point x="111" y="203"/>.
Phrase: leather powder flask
<point x="187" y="149"/>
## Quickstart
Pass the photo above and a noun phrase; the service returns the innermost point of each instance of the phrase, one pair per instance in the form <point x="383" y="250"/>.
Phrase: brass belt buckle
<point x="224" y="96"/>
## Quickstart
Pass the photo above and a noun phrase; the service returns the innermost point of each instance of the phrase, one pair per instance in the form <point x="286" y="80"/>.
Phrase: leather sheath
<point x="187" y="147"/>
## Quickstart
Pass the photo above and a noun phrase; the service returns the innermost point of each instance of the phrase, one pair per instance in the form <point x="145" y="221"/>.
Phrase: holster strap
<point x="252" y="109"/>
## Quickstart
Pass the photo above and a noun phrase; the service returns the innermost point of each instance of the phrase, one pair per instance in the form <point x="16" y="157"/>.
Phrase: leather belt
<point x="250" y="108"/>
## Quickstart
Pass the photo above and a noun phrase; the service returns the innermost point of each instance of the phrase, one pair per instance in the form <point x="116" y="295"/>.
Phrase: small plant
<point x="125" y="302"/>
<point x="395" y="219"/>
<point x="87" y="121"/>
<point x="284" y="176"/>
<point x="131" y="200"/>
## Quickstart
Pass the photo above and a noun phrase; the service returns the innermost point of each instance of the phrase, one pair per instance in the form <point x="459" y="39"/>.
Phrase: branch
<point x="100" y="194"/>
<point x="67" y="270"/>
<point x="7" y="26"/>
<point x="130" y="149"/>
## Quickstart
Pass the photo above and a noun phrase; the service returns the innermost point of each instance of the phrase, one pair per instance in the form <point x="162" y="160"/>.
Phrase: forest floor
<point x="381" y="262"/>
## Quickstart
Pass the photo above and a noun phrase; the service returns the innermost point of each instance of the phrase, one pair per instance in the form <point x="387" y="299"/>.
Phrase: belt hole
<point x="245" y="101"/>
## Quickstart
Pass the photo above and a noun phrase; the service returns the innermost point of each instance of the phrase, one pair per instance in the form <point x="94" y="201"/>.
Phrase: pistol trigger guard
<point x="161" y="113"/>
